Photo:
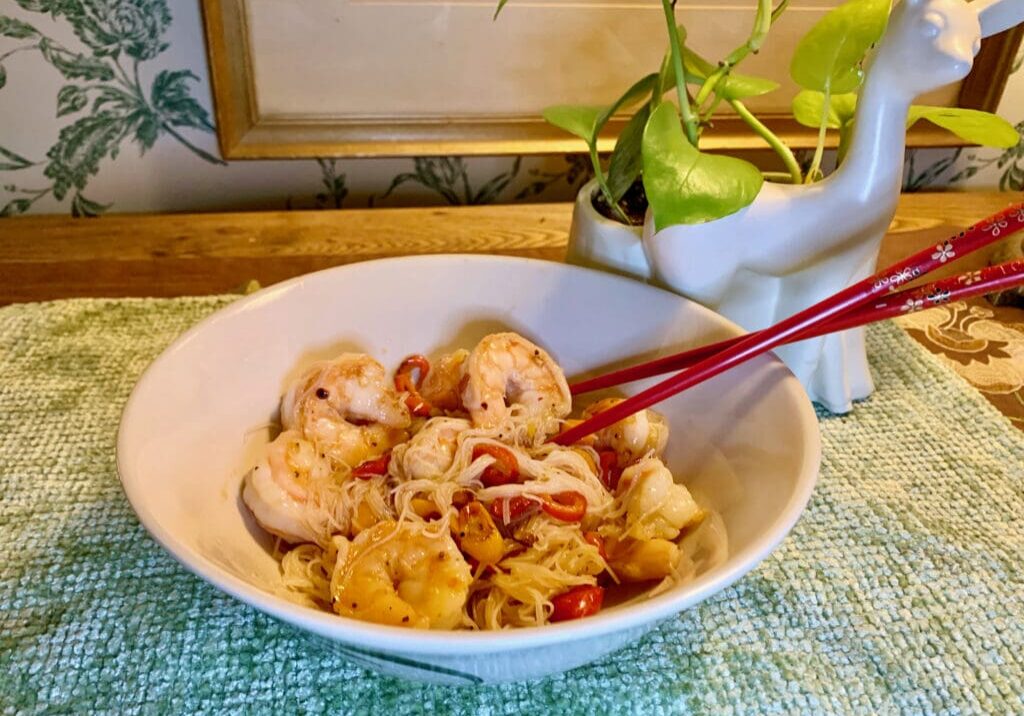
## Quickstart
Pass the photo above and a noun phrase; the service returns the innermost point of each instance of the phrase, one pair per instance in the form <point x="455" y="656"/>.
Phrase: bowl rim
<point x="462" y="642"/>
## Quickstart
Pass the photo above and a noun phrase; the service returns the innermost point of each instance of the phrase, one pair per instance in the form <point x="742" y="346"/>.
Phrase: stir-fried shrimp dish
<point x="434" y="498"/>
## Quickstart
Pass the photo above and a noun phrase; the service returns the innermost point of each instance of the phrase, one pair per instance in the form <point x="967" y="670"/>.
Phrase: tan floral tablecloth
<point x="983" y="343"/>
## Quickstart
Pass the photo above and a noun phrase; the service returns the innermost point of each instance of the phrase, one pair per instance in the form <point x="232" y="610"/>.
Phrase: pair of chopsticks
<point x="875" y="298"/>
<point x="975" y="283"/>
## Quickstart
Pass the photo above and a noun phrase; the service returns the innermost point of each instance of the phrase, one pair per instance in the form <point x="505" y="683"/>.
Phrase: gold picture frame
<point x="243" y="133"/>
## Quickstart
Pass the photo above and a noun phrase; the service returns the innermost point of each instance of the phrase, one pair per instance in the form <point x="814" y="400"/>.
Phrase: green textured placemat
<point x="899" y="590"/>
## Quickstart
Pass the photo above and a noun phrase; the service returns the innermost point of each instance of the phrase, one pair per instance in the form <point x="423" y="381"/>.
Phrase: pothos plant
<point x="660" y="143"/>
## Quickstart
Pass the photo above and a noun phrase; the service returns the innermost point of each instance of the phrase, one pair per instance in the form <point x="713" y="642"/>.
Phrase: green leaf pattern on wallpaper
<point x="333" y="181"/>
<point x="448" y="177"/>
<point x="104" y="98"/>
<point x="93" y="50"/>
<point x="963" y="165"/>
<point x="576" y="172"/>
<point x="448" y="180"/>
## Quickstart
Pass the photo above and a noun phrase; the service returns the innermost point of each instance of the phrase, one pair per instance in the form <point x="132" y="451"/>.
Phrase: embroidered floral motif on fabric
<point x="984" y="345"/>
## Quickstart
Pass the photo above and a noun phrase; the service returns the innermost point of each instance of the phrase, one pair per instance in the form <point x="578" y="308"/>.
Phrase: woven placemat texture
<point x="900" y="590"/>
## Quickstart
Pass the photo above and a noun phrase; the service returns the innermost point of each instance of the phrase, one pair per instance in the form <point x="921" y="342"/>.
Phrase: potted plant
<point x="610" y="209"/>
<point x="759" y="246"/>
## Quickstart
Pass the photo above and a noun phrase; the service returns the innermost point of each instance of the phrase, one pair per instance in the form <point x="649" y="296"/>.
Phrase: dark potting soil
<point x="633" y="203"/>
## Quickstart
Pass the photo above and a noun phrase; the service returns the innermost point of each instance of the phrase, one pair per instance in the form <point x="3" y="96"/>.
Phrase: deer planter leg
<point x="842" y="376"/>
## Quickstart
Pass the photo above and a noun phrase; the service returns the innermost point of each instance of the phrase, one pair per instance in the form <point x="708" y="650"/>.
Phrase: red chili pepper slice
<point x="610" y="470"/>
<point x="503" y="471"/>
<point x="518" y="507"/>
<point x="373" y="468"/>
<point x="578" y="602"/>
<point x="565" y="506"/>
<point x="406" y="382"/>
<point x="598" y="541"/>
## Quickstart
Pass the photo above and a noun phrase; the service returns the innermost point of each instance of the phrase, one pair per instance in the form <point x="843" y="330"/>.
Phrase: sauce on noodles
<point x="432" y="498"/>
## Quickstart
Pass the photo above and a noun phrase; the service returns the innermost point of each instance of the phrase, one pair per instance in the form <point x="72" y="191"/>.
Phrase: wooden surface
<point x="45" y="258"/>
<point x="179" y="254"/>
<point x="176" y="254"/>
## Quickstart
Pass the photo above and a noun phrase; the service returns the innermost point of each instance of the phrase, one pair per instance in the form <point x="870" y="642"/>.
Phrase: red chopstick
<point x="860" y="293"/>
<point x="954" y="288"/>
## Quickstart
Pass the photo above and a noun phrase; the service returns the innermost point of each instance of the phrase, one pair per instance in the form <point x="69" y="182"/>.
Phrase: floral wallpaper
<point x="105" y="106"/>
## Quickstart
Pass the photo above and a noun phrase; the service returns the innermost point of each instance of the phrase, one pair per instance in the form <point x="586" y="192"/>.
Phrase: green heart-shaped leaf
<point x="586" y="121"/>
<point x="580" y="120"/>
<point x="742" y="86"/>
<point x="641" y="89"/>
<point x="733" y="86"/>
<point x="830" y="54"/>
<point x="686" y="186"/>
<point x="971" y="125"/>
<point x="627" y="160"/>
<point x="807" y="109"/>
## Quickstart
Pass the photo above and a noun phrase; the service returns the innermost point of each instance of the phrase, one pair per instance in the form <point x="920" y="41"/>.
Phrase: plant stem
<point x="201" y="153"/>
<point x="124" y="79"/>
<point x="464" y="175"/>
<point x="706" y="115"/>
<point x="34" y="194"/>
<point x="135" y="87"/>
<point x="689" y="122"/>
<point x="16" y="50"/>
<point x="784" y="152"/>
<point x="41" y="194"/>
<point x="606" y="190"/>
<point x="127" y="83"/>
<point x="135" y="75"/>
<point x="659" y="87"/>
<point x="779" y="9"/>
<point x="762" y="24"/>
<point x="819" y="149"/>
<point x="780" y="177"/>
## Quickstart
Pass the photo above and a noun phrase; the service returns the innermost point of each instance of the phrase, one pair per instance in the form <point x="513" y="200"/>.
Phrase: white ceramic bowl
<point x="747" y="441"/>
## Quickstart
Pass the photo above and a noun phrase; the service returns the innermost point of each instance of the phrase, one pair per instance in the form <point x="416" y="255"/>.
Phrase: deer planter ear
<point x="998" y="15"/>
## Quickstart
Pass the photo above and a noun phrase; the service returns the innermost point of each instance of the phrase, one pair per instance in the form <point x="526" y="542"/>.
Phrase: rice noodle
<point x="544" y="556"/>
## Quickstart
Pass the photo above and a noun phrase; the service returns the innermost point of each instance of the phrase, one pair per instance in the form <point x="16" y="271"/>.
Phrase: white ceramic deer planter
<point x="795" y="245"/>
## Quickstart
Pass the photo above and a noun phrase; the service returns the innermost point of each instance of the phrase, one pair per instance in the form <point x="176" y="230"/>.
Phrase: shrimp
<point x="506" y="369"/>
<point x="281" y="493"/>
<point x="656" y="507"/>
<point x="641" y="434"/>
<point x="642" y="560"/>
<point x="348" y="408"/>
<point x="391" y="574"/>
<point x="432" y="450"/>
<point x="441" y="386"/>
